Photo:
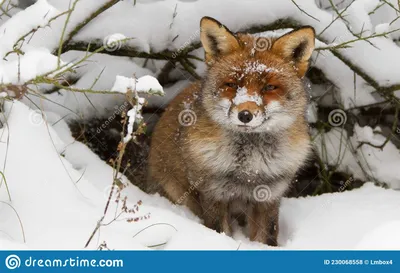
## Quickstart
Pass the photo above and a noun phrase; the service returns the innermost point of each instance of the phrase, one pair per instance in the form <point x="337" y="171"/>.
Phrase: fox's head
<point x="253" y="83"/>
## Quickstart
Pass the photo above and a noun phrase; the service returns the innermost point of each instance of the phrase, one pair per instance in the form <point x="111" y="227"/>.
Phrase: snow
<point x="253" y="67"/>
<point x="135" y="116"/>
<point x="145" y="84"/>
<point x="123" y="84"/>
<point x="358" y="18"/>
<point x="23" y="22"/>
<point x="156" y="35"/>
<point x="171" y="31"/>
<point x="381" y="163"/>
<point x="242" y="96"/>
<point x="57" y="188"/>
<point x="237" y="15"/>
<point x="382" y="28"/>
<point x="114" y="42"/>
<point x="149" y="84"/>
<point x="381" y="238"/>
<point x="366" y="162"/>
<point x="103" y="67"/>
<point x="33" y="63"/>
<point x="312" y="113"/>
<point x="69" y="199"/>
<point x="339" y="221"/>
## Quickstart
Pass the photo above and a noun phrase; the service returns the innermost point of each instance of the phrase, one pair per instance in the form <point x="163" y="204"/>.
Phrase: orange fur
<point x="248" y="130"/>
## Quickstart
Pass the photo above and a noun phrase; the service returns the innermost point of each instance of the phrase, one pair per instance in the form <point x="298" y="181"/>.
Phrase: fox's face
<point x="249" y="88"/>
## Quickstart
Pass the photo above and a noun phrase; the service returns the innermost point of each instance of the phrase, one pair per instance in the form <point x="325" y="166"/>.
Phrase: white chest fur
<point x="236" y="167"/>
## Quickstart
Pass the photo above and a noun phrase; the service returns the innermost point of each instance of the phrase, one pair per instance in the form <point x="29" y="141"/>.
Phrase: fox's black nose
<point x="245" y="116"/>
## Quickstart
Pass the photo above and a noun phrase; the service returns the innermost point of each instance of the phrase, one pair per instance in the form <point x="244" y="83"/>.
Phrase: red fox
<point x="235" y="140"/>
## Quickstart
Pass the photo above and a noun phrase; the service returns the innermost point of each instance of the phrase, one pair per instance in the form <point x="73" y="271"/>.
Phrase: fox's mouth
<point x="250" y="128"/>
<point x="247" y="127"/>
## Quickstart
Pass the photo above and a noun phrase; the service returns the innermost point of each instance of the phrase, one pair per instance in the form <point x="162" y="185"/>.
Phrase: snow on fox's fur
<point x="233" y="142"/>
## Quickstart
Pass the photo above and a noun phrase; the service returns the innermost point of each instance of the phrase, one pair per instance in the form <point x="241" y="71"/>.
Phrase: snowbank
<point x="59" y="189"/>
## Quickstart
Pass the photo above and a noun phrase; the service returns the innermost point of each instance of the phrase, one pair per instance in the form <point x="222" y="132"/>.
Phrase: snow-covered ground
<point x="59" y="188"/>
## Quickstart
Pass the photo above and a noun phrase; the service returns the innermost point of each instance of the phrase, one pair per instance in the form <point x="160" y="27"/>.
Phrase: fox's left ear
<point x="297" y="47"/>
<point x="217" y="40"/>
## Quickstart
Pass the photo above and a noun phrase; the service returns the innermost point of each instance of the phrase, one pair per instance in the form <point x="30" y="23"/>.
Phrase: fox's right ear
<point x="217" y="40"/>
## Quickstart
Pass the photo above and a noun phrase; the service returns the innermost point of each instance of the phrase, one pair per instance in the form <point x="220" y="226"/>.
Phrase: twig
<point x="70" y="10"/>
<point x="345" y="44"/>
<point x="19" y="219"/>
<point x="17" y="49"/>
<point x="282" y="23"/>
<point x="152" y="225"/>
<point x="389" y="137"/>
<point x="6" y="156"/>
<point x="3" y="178"/>
<point x="185" y="63"/>
<point x="303" y="11"/>
<point x="64" y="46"/>
<point x="116" y="179"/>
<point x="339" y="16"/>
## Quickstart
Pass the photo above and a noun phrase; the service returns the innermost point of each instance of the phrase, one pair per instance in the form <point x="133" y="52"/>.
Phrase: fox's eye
<point x="268" y="87"/>
<point x="231" y="85"/>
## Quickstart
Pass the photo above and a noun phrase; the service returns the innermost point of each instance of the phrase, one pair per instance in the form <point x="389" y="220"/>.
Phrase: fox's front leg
<point x="216" y="215"/>
<point x="263" y="221"/>
<point x="182" y="195"/>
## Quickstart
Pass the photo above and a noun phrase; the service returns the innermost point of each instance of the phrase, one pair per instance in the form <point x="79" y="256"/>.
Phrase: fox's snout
<point x="247" y="111"/>
<point x="245" y="116"/>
